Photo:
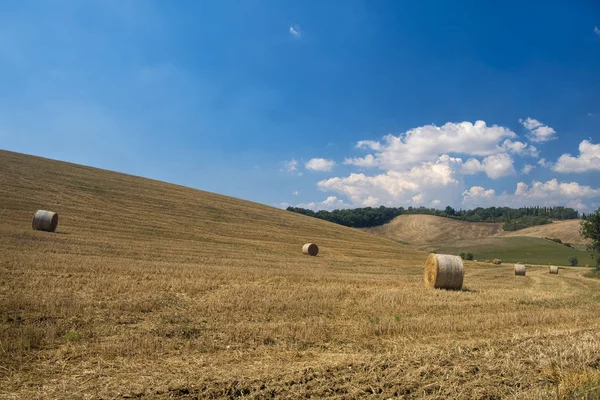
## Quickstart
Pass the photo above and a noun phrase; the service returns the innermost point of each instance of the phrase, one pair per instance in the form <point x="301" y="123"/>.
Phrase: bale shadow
<point x="467" y="290"/>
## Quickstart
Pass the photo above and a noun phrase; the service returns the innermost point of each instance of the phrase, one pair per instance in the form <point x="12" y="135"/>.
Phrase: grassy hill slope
<point x="429" y="229"/>
<point x="151" y="290"/>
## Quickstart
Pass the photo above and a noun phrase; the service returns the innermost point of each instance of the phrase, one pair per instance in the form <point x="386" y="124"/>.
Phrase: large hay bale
<point x="45" y="221"/>
<point x="310" y="249"/>
<point x="520" y="269"/>
<point x="553" y="269"/>
<point x="443" y="271"/>
<point x="497" y="261"/>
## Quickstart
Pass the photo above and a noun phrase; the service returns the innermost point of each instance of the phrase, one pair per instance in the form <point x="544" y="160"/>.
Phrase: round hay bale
<point x="443" y="271"/>
<point x="310" y="249"/>
<point x="45" y="221"/>
<point x="497" y="261"/>
<point x="520" y="269"/>
<point x="553" y="269"/>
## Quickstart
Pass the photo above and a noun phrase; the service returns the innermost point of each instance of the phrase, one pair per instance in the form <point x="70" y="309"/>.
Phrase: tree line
<point x="513" y="218"/>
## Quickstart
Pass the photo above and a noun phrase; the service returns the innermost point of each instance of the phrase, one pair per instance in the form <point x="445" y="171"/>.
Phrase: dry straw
<point x="520" y="269"/>
<point x="310" y="249"/>
<point x="553" y="269"/>
<point x="443" y="271"/>
<point x="45" y="221"/>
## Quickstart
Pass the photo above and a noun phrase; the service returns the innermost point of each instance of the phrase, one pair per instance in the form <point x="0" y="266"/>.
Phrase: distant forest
<point x="512" y="218"/>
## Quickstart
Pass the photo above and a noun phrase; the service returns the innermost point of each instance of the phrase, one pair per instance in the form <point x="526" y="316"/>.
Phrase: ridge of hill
<point x="153" y="290"/>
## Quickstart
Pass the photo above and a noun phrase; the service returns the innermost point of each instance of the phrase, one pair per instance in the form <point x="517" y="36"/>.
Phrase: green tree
<point x="573" y="261"/>
<point x="590" y="229"/>
<point x="462" y="255"/>
<point x="469" y="256"/>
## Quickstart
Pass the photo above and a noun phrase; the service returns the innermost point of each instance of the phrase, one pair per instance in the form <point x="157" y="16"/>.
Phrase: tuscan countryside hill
<point x="153" y="290"/>
<point x="488" y="240"/>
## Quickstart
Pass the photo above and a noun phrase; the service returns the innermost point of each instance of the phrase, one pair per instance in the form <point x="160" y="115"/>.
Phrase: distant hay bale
<point x="45" y="221"/>
<point x="310" y="249"/>
<point x="520" y="269"/>
<point x="443" y="271"/>
<point x="497" y="261"/>
<point x="553" y="269"/>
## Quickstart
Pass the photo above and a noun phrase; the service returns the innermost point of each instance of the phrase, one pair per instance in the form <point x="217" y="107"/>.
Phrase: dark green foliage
<point x="525" y="222"/>
<point x="469" y="256"/>
<point x="513" y="218"/>
<point x="462" y="255"/>
<point x="556" y="240"/>
<point x="590" y="229"/>
<point x="573" y="261"/>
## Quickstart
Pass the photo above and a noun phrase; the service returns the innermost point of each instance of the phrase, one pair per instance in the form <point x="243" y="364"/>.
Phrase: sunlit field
<point x="152" y="290"/>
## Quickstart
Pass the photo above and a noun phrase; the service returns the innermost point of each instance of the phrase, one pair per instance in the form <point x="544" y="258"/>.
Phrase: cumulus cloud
<point x="421" y="184"/>
<point x="427" y="143"/>
<point x="477" y="196"/>
<point x="527" y="169"/>
<point x="295" y="31"/>
<point x="319" y="164"/>
<point x="538" y="132"/>
<point x="550" y="193"/>
<point x="495" y="166"/>
<point x="587" y="160"/>
<point x="520" y="148"/>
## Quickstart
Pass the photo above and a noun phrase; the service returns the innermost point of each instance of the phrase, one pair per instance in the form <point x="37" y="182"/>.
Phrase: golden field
<point x="152" y="290"/>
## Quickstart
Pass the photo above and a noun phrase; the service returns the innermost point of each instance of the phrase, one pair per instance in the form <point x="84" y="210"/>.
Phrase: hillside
<point x="429" y="229"/>
<point x="152" y="290"/>
<point x="567" y="231"/>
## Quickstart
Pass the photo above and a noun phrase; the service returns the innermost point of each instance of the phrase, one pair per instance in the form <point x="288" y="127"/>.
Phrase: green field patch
<point x="529" y="250"/>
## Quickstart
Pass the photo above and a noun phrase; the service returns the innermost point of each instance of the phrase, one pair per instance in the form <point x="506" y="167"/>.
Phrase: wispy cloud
<point x="597" y="30"/>
<point x="295" y="31"/>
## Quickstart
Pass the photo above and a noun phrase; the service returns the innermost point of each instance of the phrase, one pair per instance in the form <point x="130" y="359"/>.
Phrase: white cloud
<point x="477" y="196"/>
<point x="329" y="204"/>
<point x="295" y="31"/>
<point x="420" y="185"/>
<point x="366" y="161"/>
<point x="295" y="193"/>
<point x="538" y="132"/>
<point x="597" y="30"/>
<point x="495" y="166"/>
<point x="587" y="160"/>
<point x="520" y="148"/>
<point x="527" y="169"/>
<point x="544" y="163"/>
<point x="290" y="166"/>
<point x="319" y="164"/>
<point x="550" y="193"/>
<point x="427" y="143"/>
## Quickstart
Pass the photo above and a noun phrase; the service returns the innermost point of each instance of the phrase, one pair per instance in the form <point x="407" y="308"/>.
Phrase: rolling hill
<point x="153" y="290"/>
<point x="429" y="229"/>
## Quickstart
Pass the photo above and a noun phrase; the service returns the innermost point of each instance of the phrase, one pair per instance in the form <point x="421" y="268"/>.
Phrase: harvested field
<point x="152" y="290"/>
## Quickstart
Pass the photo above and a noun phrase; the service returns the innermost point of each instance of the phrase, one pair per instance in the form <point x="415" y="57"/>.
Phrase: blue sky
<point x="317" y="104"/>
